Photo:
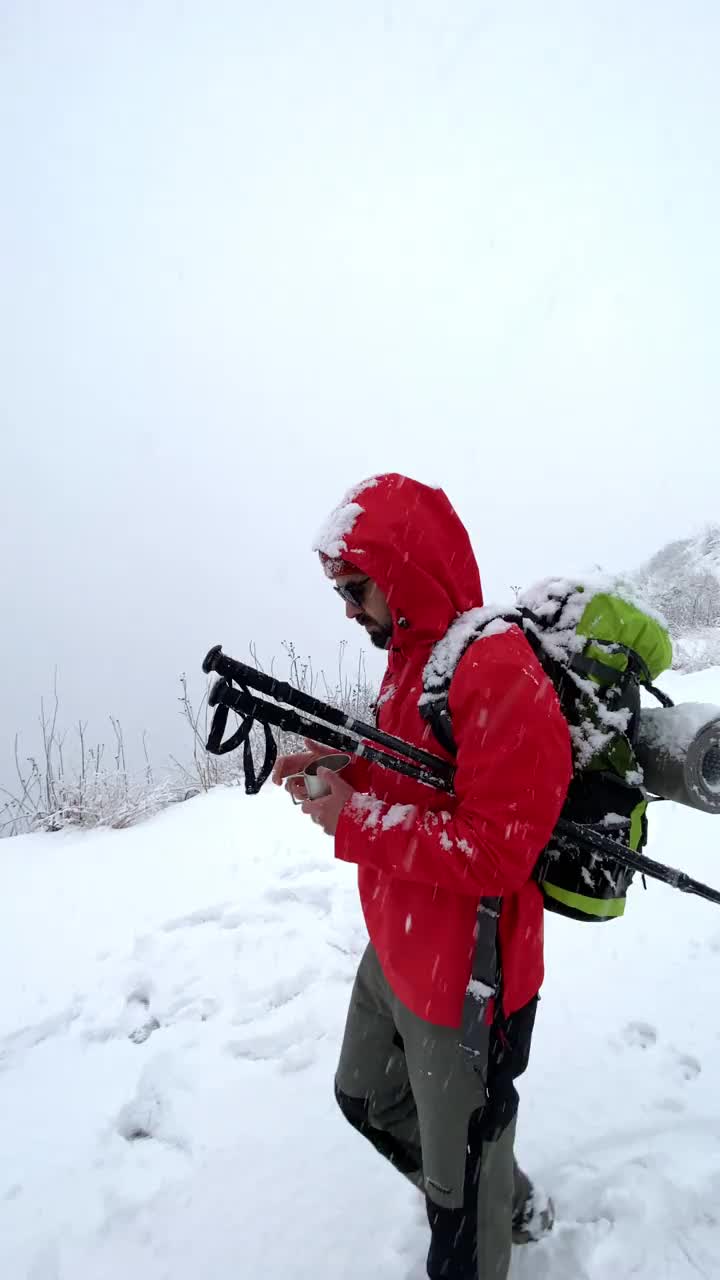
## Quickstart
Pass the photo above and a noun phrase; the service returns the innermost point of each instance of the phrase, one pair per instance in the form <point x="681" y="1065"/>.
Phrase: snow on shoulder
<point x="557" y="602"/>
<point x="542" y="600"/>
<point x="487" y="620"/>
<point x="331" y="539"/>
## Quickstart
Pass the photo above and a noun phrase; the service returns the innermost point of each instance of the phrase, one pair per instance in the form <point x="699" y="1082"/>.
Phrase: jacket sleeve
<point x="512" y="773"/>
<point x="356" y="773"/>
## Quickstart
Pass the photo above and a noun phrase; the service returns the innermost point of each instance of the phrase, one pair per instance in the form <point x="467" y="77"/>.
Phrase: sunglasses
<point x="354" y="592"/>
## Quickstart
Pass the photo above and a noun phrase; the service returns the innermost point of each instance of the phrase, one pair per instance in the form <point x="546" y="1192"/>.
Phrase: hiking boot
<point x="534" y="1219"/>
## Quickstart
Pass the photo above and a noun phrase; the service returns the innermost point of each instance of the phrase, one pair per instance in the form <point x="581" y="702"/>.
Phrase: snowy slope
<point x="682" y="580"/>
<point x="173" y="998"/>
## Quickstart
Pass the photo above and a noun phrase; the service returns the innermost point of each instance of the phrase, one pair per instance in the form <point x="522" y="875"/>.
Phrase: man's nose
<point x="351" y="610"/>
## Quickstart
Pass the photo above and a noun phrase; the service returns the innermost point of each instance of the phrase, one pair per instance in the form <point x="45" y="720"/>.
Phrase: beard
<point x="380" y="635"/>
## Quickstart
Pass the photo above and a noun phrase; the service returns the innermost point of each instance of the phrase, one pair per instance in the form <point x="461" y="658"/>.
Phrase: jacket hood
<point x="409" y="539"/>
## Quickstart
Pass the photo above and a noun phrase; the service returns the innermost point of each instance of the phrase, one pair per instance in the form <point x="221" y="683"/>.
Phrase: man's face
<point x="366" y="604"/>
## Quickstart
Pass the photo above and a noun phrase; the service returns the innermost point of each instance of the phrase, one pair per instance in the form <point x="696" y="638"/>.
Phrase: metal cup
<point x="315" y="787"/>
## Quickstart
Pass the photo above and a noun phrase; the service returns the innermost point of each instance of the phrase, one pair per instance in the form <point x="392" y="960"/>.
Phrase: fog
<point x="253" y="253"/>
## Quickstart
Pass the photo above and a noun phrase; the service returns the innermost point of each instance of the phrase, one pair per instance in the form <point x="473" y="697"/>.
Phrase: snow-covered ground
<point x="173" y="998"/>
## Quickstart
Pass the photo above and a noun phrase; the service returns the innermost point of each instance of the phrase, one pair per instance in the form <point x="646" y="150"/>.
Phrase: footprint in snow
<point x="298" y="1057"/>
<point x="294" y="1045"/>
<point x="639" y="1035"/>
<point x="236" y="919"/>
<point x="291" y="1058"/>
<point x="276" y="995"/>
<point x="643" y="1035"/>
<point x="310" y="895"/>
<point x="151" y="1113"/>
<point x="138" y="1022"/>
<point x="674" y="1105"/>
<point x="686" y="1066"/>
<point x="36" y="1033"/>
<point x="259" y="1048"/>
<point x="318" y="865"/>
<point x="203" y="915"/>
<point x="192" y="1008"/>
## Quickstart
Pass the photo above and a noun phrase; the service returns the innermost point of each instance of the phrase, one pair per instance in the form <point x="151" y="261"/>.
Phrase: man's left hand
<point x="326" y="811"/>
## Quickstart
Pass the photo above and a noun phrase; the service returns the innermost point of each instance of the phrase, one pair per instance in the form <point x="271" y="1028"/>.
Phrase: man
<point x="400" y="559"/>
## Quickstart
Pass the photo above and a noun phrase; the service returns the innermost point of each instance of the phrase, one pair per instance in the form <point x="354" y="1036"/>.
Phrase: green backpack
<point x="598" y="647"/>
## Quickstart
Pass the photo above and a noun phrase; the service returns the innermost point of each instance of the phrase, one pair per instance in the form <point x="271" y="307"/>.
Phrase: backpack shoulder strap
<point x="486" y="978"/>
<point x="436" y="713"/>
<point x="444" y="661"/>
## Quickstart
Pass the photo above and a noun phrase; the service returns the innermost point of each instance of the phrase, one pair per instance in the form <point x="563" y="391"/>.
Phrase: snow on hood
<point x="331" y="539"/>
<point x="409" y="539"/>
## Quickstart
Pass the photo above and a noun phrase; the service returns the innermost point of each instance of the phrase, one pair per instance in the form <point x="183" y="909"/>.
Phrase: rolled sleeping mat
<point x="678" y="749"/>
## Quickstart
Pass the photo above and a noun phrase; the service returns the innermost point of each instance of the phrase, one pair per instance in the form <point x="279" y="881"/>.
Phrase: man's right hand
<point x="285" y="766"/>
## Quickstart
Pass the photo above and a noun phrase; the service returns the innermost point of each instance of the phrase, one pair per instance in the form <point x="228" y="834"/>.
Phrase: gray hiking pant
<point x="407" y="1086"/>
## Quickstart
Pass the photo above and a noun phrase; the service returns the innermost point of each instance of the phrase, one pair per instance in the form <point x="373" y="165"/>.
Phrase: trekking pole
<point x="250" y="678"/>
<point x="595" y="840"/>
<point x="225" y="698"/>
<point x="333" y="728"/>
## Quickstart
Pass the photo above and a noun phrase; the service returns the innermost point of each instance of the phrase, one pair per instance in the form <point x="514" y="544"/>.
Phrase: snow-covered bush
<point x="72" y="783"/>
<point x="682" y="581"/>
<point x="697" y="650"/>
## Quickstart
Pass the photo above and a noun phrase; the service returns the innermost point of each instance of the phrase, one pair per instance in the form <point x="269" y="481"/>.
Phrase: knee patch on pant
<point x="357" y="1113"/>
<point x="355" y="1110"/>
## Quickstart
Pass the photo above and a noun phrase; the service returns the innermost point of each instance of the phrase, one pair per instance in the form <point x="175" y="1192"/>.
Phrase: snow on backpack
<point x="598" y="647"/>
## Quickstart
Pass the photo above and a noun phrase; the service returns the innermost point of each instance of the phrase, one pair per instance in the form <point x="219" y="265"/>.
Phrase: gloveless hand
<point x="326" y="811"/>
<point x="286" y="766"/>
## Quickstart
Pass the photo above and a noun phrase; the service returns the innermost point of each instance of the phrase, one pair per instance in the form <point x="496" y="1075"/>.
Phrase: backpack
<point x="598" y="646"/>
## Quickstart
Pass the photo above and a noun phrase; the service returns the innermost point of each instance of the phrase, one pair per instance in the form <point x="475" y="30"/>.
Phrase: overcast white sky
<point x="252" y="253"/>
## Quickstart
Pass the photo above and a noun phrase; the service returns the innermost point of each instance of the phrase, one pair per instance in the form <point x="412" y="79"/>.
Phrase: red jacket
<point x="425" y="858"/>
